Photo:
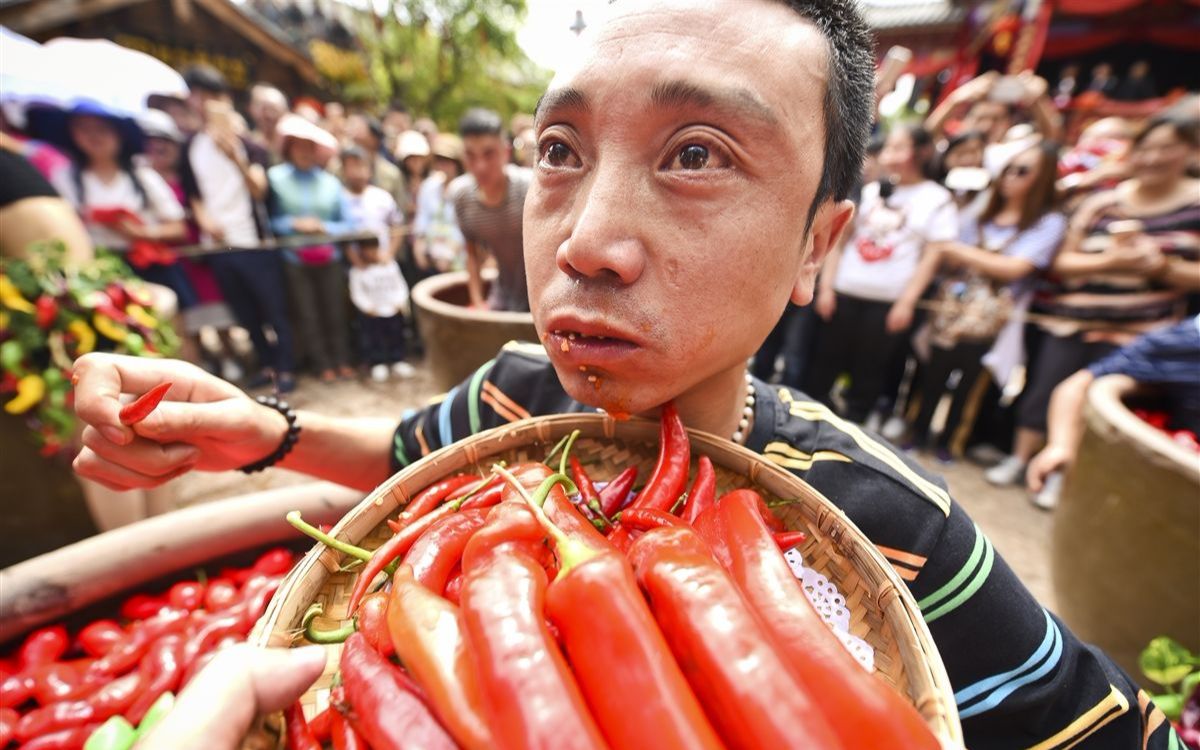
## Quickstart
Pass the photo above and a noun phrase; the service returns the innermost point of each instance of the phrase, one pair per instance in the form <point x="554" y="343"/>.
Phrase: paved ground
<point x="1019" y="531"/>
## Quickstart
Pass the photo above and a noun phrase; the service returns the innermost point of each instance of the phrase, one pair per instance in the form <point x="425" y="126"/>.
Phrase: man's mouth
<point x="590" y="348"/>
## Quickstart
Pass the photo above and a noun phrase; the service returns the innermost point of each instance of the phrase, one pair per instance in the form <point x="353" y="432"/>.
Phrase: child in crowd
<point x="369" y="207"/>
<point x="380" y="294"/>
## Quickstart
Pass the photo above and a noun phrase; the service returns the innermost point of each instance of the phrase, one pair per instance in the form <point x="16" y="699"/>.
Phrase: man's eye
<point x="558" y="154"/>
<point x="694" y="157"/>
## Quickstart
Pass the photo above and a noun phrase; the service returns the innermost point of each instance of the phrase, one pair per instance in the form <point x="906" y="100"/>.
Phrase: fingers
<point x="142" y="456"/>
<point x="178" y="421"/>
<point x="114" y="476"/>
<point x="217" y="707"/>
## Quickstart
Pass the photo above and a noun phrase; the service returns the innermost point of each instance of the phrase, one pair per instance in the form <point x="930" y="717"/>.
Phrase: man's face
<point x="675" y="168"/>
<point x="485" y="157"/>
<point x="356" y="172"/>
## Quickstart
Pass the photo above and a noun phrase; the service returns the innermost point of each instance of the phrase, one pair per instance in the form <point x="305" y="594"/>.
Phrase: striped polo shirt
<point x="1021" y="678"/>
<point x="1122" y="300"/>
<point x="498" y="229"/>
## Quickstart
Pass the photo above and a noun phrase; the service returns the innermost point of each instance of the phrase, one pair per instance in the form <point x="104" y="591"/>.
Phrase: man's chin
<point x="617" y="396"/>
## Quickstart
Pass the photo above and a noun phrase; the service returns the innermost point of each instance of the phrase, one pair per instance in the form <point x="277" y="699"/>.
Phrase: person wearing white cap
<point x="368" y="134"/>
<point x="306" y="199"/>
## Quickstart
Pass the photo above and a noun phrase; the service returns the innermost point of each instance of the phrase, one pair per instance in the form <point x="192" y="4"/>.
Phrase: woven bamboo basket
<point x="882" y="611"/>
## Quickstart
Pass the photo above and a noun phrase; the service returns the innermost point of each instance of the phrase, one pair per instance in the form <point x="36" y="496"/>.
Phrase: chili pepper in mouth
<point x="140" y="408"/>
<point x="428" y="636"/>
<point x="385" y="708"/>
<point x="299" y="736"/>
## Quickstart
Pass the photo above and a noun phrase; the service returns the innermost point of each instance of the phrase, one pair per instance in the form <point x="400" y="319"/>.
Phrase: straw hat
<point x="448" y="146"/>
<point x="295" y="126"/>
<point x="411" y="143"/>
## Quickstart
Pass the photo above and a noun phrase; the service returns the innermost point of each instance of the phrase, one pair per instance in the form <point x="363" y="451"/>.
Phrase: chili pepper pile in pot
<point x="530" y="609"/>
<point x="113" y="679"/>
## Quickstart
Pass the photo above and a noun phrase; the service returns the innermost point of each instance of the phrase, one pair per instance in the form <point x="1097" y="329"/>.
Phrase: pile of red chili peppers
<point x="530" y="609"/>
<point x="58" y="689"/>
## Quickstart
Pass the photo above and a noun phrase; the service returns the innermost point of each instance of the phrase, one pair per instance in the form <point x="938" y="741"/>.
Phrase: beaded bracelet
<point x="289" y="438"/>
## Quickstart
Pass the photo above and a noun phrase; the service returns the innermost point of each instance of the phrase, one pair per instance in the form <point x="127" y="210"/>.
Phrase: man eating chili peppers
<point x="691" y="176"/>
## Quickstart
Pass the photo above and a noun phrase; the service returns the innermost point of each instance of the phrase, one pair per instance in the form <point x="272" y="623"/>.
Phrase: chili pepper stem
<point x="325" y="636"/>
<point x="554" y="451"/>
<point x="569" y="552"/>
<point x="562" y="462"/>
<point x="312" y="531"/>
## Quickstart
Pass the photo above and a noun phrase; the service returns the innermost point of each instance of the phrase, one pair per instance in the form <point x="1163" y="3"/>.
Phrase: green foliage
<point x="441" y="57"/>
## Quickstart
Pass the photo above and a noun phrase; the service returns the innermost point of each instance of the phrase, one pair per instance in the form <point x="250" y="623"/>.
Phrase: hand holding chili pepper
<point x="140" y="408"/>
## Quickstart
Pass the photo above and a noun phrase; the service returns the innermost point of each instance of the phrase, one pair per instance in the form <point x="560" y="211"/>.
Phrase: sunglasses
<point x="1019" y="170"/>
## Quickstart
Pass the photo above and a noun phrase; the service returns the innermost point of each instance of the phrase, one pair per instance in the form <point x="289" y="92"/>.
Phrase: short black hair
<point x="374" y="126"/>
<point x="479" y="121"/>
<point x="205" y="78"/>
<point x="849" y="93"/>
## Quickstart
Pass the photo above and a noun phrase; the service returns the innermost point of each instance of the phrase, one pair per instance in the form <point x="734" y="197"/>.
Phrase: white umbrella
<point x="119" y="78"/>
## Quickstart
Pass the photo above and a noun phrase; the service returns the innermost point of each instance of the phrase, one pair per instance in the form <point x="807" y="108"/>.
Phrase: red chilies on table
<point x="43" y="646"/>
<point x="161" y="670"/>
<point x="100" y="637"/>
<point x="384" y="708"/>
<point x="8" y="725"/>
<point x="140" y="408"/>
<point x="63" y="739"/>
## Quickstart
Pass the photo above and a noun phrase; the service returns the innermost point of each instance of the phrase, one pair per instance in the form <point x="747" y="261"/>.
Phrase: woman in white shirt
<point x="126" y="207"/>
<point x="898" y="217"/>
<point x="437" y="241"/>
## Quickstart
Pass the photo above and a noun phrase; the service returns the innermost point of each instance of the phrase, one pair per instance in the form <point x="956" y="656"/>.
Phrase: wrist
<point x="280" y="433"/>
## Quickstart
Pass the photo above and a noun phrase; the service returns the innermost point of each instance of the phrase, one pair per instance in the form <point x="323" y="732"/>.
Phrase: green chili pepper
<point x="155" y="714"/>
<point x="114" y="734"/>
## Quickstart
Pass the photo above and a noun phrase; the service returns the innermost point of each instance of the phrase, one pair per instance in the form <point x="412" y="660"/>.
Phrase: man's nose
<point x="605" y="238"/>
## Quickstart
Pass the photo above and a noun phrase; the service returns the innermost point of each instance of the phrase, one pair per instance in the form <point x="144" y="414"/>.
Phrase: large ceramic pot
<point x="1126" y="545"/>
<point x="458" y="339"/>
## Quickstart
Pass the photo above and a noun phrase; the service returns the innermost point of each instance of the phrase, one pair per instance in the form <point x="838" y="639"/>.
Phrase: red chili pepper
<point x="427" y="634"/>
<point x="56" y="681"/>
<point x="142" y="606"/>
<point x="43" y="646"/>
<point x="863" y="711"/>
<point x="644" y="519"/>
<point x="64" y="739"/>
<point x="16" y="689"/>
<point x="321" y="724"/>
<point x="116" y="696"/>
<point x="140" y="408"/>
<point x="342" y="732"/>
<point x="612" y="640"/>
<point x="372" y="623"/>
<point x="237" y="576"/>
<point x="299" y="736"/>
<point x="161" y="671"/>
<point x="434" y="555"/>
<point x="130" y="651"/>
<point x="565" y="514"/>
<point x="531" y="699"/>
<point x="274" y="562"/>
<point x="46" y="312"/>
<point x="433" y="495"/>
<point x="52" y="718"/>
<point x="670" y="474"/>
<point x="485" y="498"/>
<point x="393" y="549"/>
<point x="729" y="659"/>
<point x="8" y="725"/>
<point x="256" y="595"/>
<point x="785" y="540"/>
<point x="99" y="637"/>
<point x="220" y="594"/>
<point x="615" y="494"/>
<point x="209" y="634"/>
<point x="386" y="710"/>
<point x="704" y="491"/>
<point x="587" y="490"/>
<point x="187" y="595"/>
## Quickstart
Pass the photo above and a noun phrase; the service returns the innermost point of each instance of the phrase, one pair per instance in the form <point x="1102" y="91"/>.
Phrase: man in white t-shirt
<point x="224" y="178"/>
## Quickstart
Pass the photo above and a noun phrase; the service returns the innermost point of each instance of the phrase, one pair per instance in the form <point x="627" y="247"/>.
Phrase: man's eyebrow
<point x="683" y="94"/>
<point x="557" y="100"/>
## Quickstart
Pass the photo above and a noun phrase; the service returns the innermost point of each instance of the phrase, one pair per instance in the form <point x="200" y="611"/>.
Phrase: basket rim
<point x="895" y="602"/>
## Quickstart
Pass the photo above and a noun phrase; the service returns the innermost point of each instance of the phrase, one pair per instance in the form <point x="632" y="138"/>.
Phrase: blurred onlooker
<point x="369" y="206"/>
<point x="1169" y="358"/>
<point x="959" y="169"/>
<point x="428" y="128"/>
<point x="1097" y="161"/>
<point x="1130" y="257"/>
<point x="524" y="139"/>
<point x="438" y="243"/>
<point x="985" y="280"/>
<point x="412" y="152"/>
<point x="225" y="180"/>
<point x="125" y="206"/>
<point x="993" y="103"/>
<point x="308" y="200"/>
<point x="395" y="121"/>
<point x="334" y="121"/>
<point x="367" y="133"/>
<point x="380" y="293"/>
<point x="1103" y="80"/>
<point x="899" y="217"/>
<point x="267" y="105"/>
<point x="1138" y="84"/>
<point x="32" y="211"/>
<point x="489" y="202"/>
<point x="1068" y="84"/>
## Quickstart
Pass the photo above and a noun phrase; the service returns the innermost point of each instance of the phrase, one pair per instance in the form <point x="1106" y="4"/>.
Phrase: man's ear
<point x="830" y="223"/>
